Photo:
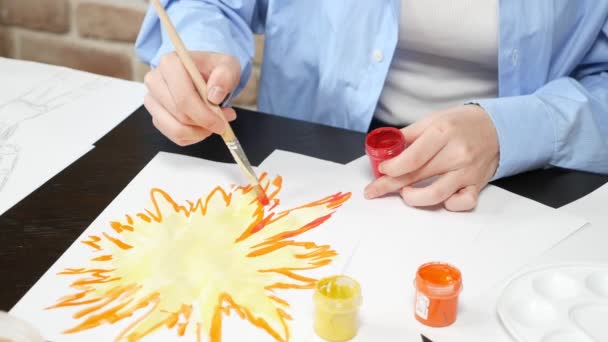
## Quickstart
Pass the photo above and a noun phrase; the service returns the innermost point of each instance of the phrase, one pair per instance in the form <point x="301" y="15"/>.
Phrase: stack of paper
<point x="49" y="117"/>
<point x="183" y="251"/>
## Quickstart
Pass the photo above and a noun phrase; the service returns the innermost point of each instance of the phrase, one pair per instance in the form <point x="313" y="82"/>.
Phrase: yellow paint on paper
<point x="185" y="266"/>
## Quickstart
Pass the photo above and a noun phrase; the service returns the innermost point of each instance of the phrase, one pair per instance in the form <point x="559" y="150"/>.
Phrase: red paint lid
<point x="384" y="143"/>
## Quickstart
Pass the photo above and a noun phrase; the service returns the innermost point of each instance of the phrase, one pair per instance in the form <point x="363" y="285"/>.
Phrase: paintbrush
<point x="228" y="136"/>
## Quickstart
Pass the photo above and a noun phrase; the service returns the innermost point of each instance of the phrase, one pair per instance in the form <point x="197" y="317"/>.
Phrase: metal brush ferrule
<point x="239" y="156"/>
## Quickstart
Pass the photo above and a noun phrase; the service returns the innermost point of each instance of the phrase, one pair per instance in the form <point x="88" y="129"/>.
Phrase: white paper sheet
<point x="184" y="178"/>
<point x="591" y="207"/>
<point x="589" y="244"/>
<point x="49" y="112"/>
<point x="30" y="171"/>
<point x="509" y="231"/>
<point x="505" y="232"/>
<point x="387" y="218"/>
<point x="478" y="321"/>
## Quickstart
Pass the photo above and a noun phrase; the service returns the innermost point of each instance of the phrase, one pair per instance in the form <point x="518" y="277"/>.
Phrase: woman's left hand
<point x="459" y="145"/>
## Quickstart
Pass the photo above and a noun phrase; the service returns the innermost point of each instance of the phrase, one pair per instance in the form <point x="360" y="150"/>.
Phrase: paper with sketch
<point x="183" y="253"/>
<point x="501" y="235"/>
<point x="23" y="175"/>
<point x="53" y="112"/>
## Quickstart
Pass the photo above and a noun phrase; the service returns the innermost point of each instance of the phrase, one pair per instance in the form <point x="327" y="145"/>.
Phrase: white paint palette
<point x="557" y="304"/>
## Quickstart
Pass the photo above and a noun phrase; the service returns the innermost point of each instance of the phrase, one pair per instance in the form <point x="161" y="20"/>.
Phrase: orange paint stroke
<point x="107" y="257"/>
<point x="221" y="310"/>
<point x="292" y="275"/>
<point x="93" y="242"/>
<point x="117" y="242"/>
<point x="119" y="227"/>
<point x="154" y="299"/>
<point x="279" y="300"/>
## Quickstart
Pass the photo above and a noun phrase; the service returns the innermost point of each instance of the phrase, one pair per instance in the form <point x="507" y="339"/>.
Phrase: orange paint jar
<point x="438" y="286"/>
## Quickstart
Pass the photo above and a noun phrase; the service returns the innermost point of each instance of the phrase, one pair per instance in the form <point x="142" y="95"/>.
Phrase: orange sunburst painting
<point x="184" y="266"/>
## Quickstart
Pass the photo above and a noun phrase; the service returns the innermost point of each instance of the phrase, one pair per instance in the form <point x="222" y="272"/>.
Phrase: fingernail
<point x="370" y="193"/>
<point x="216" y="95"/>
<point x="381" y="168"/>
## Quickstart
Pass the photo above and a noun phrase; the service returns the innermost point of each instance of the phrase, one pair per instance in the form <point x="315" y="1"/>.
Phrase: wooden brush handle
<point x="195" y="75"/>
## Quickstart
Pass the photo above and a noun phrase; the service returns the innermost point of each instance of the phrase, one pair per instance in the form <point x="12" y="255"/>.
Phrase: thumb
<point x="222" y="80"/>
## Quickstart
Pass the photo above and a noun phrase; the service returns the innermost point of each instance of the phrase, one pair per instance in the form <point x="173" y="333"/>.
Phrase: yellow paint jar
<point x="337" y="300"/>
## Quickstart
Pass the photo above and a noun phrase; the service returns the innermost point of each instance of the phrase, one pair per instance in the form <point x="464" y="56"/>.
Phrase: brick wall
<point x="91" y="35"/>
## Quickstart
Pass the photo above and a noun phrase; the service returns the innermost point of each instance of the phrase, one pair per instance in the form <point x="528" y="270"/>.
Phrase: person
<point x="489" y="88"/>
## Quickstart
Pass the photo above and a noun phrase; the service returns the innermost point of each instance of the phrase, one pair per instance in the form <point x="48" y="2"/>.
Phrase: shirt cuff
<point x="526" y="133"/>
<point x="201" y="37"/>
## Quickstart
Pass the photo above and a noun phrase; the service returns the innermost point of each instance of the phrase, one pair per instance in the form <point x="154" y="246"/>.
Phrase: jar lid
<point x="438" y="279"/>
<point x="338" y="293"/>
<point x="384" y="142"/>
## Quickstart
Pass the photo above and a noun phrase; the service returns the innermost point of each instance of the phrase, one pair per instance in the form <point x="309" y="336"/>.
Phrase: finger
<point x="421" y="151"/>
<point x="383" y="186"/>
<point x="439" y="165"/>
<point x="229" y="113"/>
<point x="157" y="86"/>
<point x="435" y="193"/>
<point x="159" y="90"/>
<point x="186" y="97"/>
<point x="463" y="200"/>
<point x="413" y="131"/>
<point x="221" y="81"/>
<point x="174" y="130"/>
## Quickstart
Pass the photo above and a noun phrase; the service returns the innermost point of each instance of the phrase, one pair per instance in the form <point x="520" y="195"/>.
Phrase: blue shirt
<point x="319" y="65"/>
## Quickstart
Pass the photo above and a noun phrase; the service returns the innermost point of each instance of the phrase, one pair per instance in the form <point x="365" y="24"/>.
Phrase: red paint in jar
<point x="438" y="286"/>
<point x="382" y="144"/>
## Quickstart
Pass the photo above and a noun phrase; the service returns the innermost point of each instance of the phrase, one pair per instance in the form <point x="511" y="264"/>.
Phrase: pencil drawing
<point x="59" y="90"/>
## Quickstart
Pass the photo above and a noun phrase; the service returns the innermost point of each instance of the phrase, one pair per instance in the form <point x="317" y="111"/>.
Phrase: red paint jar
<point x="438" y="286"/>
<point x="382" y="144"/>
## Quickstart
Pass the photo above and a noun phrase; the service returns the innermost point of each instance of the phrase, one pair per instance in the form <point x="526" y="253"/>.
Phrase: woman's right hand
<point x="176" y="107"/>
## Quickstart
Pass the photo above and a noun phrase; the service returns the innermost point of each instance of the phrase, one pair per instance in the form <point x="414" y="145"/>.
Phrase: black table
<point x="35" y="232"/>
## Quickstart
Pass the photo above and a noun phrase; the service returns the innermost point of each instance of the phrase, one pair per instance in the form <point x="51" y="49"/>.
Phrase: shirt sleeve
<point x="204" y="25"/>
<point x="562" y="124"/>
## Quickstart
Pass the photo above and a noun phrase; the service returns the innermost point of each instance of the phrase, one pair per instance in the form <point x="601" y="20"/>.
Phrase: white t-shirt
<point x="447" y="54"/>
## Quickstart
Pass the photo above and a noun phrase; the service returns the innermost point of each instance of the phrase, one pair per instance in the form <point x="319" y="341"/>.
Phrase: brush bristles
<point x="261" y="195"/>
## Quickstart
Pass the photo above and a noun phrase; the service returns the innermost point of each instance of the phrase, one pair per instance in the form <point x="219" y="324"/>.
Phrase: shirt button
<point x="515" y="57"/>
<point x="378" y="56"/>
